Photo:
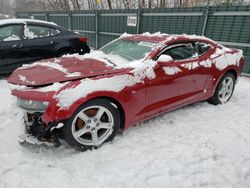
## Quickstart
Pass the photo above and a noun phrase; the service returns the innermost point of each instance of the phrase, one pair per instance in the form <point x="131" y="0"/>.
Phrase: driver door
<point x="177" y="82"/>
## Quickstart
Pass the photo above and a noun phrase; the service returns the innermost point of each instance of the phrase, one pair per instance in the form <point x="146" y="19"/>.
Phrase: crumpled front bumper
<point x="37" y="132"/>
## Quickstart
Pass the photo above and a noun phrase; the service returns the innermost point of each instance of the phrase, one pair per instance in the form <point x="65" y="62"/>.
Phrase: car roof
<point x="166" y="39"/>
<point x="24" y="21"/>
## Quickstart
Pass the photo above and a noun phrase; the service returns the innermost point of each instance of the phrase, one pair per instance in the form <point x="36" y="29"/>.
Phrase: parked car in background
<point x="127" y="81"/>
<point x="27" y="40"/>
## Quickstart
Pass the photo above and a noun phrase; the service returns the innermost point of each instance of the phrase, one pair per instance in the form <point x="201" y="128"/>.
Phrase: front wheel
<point x="224" y="90"/>
<point x="94" y="123"/>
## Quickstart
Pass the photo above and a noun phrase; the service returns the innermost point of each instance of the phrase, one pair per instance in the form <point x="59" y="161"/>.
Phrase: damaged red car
<point x="86" y="99"/>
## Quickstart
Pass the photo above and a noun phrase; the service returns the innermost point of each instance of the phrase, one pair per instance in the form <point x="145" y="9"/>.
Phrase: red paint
<point x="43" y="75"/>
<point x="139" y="102"/>
<point x="83" y="39"/>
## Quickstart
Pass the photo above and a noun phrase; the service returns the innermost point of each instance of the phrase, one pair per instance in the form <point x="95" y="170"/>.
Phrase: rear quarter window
<point x="34" y="31"/>
<point x="54" y="32"/>
<point x="202" y="48"/>
<point x="181" y="52"/>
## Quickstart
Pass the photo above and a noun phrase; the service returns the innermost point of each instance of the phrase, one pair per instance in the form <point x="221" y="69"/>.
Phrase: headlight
<point x="32" y="105"/>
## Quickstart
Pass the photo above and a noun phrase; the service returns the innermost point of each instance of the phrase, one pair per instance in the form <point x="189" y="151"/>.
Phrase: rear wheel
<point x="93" y="124"/>
<point x="224" y="90"/>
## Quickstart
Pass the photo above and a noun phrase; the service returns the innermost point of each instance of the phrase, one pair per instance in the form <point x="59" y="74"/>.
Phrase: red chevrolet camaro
<point x="88" y="98"/>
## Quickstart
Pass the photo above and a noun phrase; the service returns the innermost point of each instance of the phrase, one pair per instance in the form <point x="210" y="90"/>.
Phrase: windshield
<point x="128" y="49"/>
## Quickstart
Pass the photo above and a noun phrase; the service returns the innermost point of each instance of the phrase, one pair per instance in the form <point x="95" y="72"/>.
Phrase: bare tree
<point x="5" y="7"/>
<point x="67" y="5"/>
<point x="109" y="4"/>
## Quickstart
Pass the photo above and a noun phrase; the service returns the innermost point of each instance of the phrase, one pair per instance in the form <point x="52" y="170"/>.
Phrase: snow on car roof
<point x="162" y="37"/>
<point x="23" y="21"/>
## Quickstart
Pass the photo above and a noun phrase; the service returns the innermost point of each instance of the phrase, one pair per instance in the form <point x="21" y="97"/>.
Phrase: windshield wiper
<point x="110" y="61"/>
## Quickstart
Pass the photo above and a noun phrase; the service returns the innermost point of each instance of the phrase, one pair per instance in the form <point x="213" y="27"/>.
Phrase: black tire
<point x="65" y="52"/>
<point x="215" y="99"/>
<point x="67" y="129"/>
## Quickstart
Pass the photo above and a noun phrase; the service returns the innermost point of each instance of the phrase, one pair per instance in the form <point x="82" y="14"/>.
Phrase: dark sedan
<point x="27" y="40"/>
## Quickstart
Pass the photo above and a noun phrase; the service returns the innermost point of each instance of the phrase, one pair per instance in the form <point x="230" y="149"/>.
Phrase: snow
<point x="23" y="21"/>
<point x="222" y="61"/>
<point x="222" y="58"/>
<point x="53" y="65"/>
<point x="68" y="96"/>
<point x="74" y="74"/>
<point x="29" y="34"/>
<point x="169" y="37"/>
<point x="54" y="87"/>
<point x="4" y="16"/>
<point x="156" y="34"/>
<point x="25" y="80"/>
<point x="140" y="70"/>
<point x="171" y="70"/>
<point x="108" y="59"/>
<point x="12" y="38"/>
<point x="165" y="58"/>
<point x="206" y="63"/>
<point x="196" y="146"/>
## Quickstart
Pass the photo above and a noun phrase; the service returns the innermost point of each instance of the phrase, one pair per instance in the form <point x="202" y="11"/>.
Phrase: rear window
<point x="32" y="31"/>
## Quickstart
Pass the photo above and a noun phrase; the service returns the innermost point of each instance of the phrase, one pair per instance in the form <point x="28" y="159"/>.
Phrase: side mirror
<point x="164" y="59"/>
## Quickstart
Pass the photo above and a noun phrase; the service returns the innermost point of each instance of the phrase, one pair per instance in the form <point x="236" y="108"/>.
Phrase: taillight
<point x="83" y="39"/>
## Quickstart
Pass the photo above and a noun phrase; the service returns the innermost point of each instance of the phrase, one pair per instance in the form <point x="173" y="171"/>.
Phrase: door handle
<point x="15" y="46"/>
<point x="52" y="42"/>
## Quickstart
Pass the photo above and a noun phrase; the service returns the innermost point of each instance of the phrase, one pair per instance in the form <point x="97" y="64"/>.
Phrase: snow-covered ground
<point x="197" y="146"/>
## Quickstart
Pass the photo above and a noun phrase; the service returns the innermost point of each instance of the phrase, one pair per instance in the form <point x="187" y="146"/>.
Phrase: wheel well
<point x="233" y="72"/>
<point x="120" y="109"/>
<point x="65" y="49"/>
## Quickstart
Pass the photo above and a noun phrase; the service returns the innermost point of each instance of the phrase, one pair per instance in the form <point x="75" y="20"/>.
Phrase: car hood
<point x="61" y="70"/>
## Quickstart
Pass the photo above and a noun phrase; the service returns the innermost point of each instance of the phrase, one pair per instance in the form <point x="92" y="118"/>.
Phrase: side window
<point x="181" y="52"/>
<point x="11" y="33"/>
<point x="54" y="32"/>
<point x="202" y="47"/>
<point x="32" y="31"/>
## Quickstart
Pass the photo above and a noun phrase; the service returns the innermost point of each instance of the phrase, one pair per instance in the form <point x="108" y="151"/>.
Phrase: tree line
<point x="6" y="7"/>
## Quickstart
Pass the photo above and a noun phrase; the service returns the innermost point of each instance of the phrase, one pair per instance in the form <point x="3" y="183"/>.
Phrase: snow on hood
<point x="70" y="67"/>
<point x="61" y="70"/>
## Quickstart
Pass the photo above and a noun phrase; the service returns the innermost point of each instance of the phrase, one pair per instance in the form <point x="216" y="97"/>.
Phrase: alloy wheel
<point x="226" y="90"/>
<point x="92" y="125"/>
